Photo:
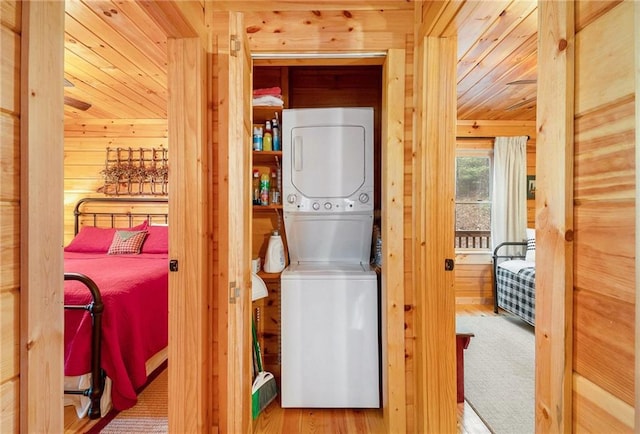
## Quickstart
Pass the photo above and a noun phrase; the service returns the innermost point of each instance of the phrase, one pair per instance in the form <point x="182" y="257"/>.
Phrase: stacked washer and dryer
<point x="330" y="302"/>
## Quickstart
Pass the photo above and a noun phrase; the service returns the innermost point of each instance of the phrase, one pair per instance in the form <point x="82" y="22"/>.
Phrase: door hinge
<point x="234" y="45"/>
<point x="234" y="292"/>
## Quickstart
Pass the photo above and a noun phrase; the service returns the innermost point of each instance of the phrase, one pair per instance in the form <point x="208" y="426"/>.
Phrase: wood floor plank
<point x="293" y="421"/>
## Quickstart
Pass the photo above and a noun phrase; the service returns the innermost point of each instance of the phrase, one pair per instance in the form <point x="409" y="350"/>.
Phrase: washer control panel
<point x="297" y="202"/>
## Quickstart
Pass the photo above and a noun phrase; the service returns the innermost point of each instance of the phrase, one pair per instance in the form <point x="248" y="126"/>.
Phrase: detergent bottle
<point x="274" y="258"/>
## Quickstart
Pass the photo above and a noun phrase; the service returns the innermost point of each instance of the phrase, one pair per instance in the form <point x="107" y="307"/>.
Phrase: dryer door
<point x="328" y="161"/>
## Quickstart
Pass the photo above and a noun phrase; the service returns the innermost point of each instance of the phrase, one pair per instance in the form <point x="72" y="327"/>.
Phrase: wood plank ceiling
<point x="115" y="55"/>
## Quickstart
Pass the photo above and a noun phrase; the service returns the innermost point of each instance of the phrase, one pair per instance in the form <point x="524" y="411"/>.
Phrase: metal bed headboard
<point x="131" y="215"/>
<point x="494" y="259"/>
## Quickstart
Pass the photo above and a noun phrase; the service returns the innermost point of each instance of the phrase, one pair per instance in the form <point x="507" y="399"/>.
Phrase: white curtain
<point x="509" y="210"/>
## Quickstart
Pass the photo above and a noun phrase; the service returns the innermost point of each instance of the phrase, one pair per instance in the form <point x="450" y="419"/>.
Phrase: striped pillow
<point x="127" y="242"/>
<point x="531" y="245"/>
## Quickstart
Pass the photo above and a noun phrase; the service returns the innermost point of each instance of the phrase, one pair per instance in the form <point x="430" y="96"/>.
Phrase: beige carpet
<point x="499" y="377"/>
<point x="149" y="415"/>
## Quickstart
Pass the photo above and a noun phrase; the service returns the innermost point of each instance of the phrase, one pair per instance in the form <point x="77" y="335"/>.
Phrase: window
<point x="474" y="170"/>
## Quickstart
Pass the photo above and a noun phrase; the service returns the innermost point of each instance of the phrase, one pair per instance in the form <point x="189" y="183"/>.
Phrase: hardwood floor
<point x="74" y="425"/>
<point x="475" y="309"/>
<point x="275" y="420"/>
<point x="469" y="422"/>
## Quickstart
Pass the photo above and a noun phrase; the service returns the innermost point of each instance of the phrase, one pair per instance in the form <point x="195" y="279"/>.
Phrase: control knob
<point x="291" y="198"/>
<point x="327" y="205"/>
<point x="364" y="197"/>
<point x="315" y="206"/>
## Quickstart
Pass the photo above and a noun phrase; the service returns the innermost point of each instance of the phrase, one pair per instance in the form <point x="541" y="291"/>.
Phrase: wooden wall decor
<point x="136" y="171"/>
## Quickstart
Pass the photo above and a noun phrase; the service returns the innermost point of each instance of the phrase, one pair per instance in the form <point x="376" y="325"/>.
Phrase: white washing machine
<point x="330" y="337"/>
<point x="330" y="301"/>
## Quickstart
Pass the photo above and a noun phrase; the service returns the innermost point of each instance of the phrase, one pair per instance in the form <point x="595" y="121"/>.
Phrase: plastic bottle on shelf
<point x="279" y="179"/>
<point x="267" y="139"/>
<point x="274" y="258"/>
<point x="264" y="189"/>
<point x="256" y="187"/>
<point x="275" y="133"/>
<point x="275" y="191"/>
<point x="257" y="139"/>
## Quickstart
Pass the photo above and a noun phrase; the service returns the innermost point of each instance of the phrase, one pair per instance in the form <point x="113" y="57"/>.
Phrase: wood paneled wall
<point x="604" y="297"/>
<point x="10" y="39"/>
<point x="85" y="151"/>
<point x="474" y="281"/>
<point x="586" y="218"/>
<point x="328" y="30"/>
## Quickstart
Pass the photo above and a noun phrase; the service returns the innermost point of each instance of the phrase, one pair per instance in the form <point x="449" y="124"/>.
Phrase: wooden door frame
<point x="189" y="297"/>
<point x="392" y="231"/>
<point x="392" y="184"/>
<point x="432" y="210"/>
<point x="636" y="26"/>
<point x="41" y="217"/>
<point x="554" y="217"/>
<point x="231" y="129"/>
<point x="42" y="151"/>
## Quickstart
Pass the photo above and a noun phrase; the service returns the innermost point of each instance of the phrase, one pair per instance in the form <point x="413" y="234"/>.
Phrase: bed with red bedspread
<point x="132" y="281"/>
<point x="134" y="321"/>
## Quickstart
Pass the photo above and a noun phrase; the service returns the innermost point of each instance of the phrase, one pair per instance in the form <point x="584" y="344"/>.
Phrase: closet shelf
<point x="267" y="277"/>
<point x="266" y="207"/>
<point x="268" y="157"/>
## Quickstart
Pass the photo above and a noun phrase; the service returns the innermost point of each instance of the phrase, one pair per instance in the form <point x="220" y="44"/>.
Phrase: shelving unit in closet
<point x="273" y="83"/>
<point x="267" y="218"/>
<point x="267" y="162"/>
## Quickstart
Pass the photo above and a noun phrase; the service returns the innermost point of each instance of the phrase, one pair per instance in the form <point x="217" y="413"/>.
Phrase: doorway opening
<point x="305" y="84"/>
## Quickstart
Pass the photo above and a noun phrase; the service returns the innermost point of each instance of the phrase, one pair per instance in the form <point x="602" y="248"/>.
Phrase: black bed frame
<point x="496" y="255"/>
<point x="96" y="307"/>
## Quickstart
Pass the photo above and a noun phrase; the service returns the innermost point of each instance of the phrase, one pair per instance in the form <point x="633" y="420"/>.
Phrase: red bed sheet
<point x="134" y="291"/>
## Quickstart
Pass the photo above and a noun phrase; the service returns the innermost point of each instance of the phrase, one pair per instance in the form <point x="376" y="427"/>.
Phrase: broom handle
<point x="256" y="346"/>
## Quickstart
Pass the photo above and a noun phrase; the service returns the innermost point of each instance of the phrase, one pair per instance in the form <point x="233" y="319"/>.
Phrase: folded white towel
<point x="268" y="100"/>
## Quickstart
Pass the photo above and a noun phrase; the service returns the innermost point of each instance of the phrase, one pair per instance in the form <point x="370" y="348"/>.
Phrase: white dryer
<point x="330" y="301"/>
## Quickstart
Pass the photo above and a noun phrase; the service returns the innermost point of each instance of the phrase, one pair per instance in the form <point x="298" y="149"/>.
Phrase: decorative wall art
<point x="531" y="186"/>
<point x="135" y="172"/>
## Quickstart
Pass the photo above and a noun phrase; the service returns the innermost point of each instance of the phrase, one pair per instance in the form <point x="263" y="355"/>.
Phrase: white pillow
<point x="531" y="245"/>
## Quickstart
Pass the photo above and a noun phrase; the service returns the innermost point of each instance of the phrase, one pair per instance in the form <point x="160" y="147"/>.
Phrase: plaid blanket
<point x="516" y="292"/>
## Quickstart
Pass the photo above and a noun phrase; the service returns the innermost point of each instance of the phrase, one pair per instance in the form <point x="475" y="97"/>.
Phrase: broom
<point x="264" y="388"/>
